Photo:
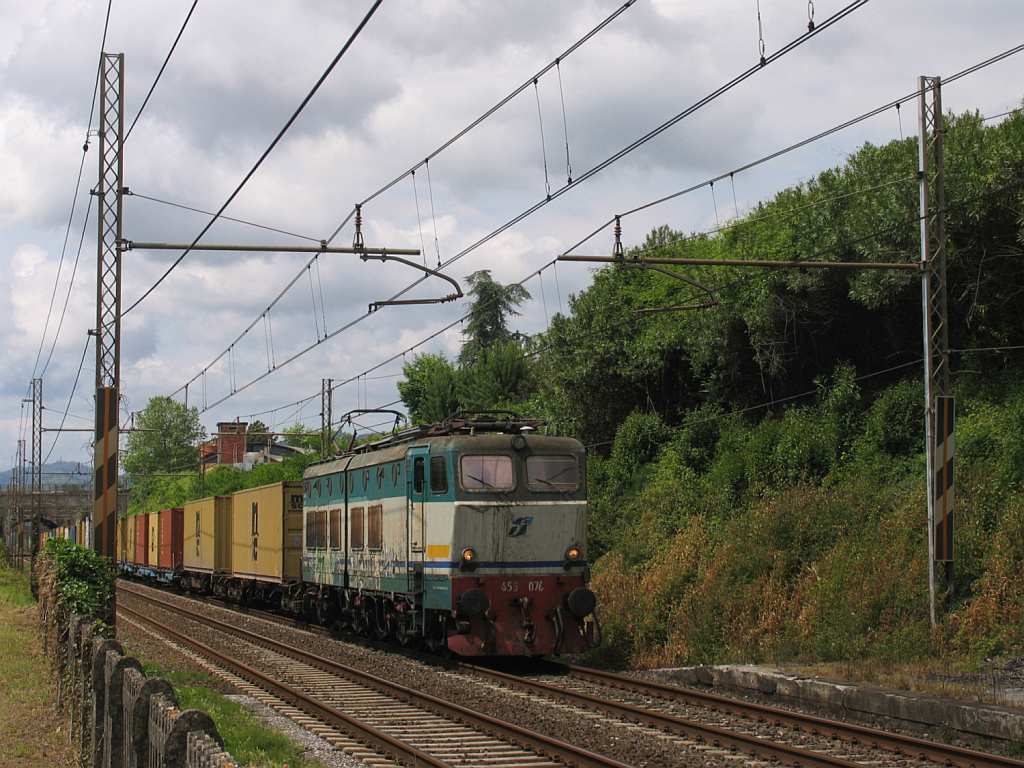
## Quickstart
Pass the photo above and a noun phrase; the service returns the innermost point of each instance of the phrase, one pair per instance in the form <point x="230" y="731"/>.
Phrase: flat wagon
<point x="266" y="543"/>
<point x="207" y="541"/>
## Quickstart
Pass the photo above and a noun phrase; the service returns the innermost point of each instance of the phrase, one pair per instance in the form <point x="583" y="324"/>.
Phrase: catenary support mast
<point x="109" y="192"/>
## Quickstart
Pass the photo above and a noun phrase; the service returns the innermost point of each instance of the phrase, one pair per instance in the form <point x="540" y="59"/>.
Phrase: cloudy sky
<point x="419" y="72"/>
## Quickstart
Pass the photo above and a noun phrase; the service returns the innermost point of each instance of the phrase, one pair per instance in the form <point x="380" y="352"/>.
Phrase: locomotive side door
<point x="416" y="459"/>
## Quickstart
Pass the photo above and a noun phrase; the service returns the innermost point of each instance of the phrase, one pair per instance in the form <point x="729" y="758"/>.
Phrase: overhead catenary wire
<point x="224" y="217"/>
<point x="274" y="142"/>
<point x="576" y="45"/>
<point x="78" y="184"/>
<point x="71" y="397"/>
<point x="160" y="73"/>
<point x="71" y="285"/>
<point x="594" y="170"/>
<point x="553" y="263"/>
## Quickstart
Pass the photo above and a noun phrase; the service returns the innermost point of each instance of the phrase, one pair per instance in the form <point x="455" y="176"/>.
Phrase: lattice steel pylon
<point x="326" y="417"/>
<point x="109" y="195"/>
<point x="37" y="464"/>
<point x="931" y="172"/>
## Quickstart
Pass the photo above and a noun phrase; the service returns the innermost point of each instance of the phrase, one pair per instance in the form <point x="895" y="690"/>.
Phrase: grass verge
<point x="31" y="731"/>
<point x="249" y="741"/>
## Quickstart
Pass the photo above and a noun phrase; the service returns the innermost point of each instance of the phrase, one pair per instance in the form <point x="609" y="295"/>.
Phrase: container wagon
<point x="266" y="544"/>
<point x="169" y="550"/>
<point x="207" y="541"/>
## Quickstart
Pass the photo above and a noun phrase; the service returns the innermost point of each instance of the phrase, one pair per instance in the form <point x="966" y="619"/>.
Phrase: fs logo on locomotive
<point x="519" y="526"/>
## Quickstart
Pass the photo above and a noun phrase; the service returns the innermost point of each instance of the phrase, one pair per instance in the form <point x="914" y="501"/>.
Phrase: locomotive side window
<point x="552" y="473"/>
<point x="321" y="529"/>
<point x="417" y="475"/>
<point x="438" y="475"/>
<point x="374" y="527"/>
<point x="337" y="532"/>
<point x="310" y="529"/>
<point x="356" y="535"/>
<point x="487" y="473"/>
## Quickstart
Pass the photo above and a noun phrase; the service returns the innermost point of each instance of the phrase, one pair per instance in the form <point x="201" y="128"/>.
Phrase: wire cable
<point x="163" y="66"/>
<point x="78" y="184"/>
<point x="184" y="207"/>
<point x="71" y="284"/>
<point x="675" y="119"/>
<point x="71" y="397"/>
<point x="280" y="135"/>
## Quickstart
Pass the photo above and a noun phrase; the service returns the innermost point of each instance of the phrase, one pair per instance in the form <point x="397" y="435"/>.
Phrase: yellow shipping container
<point x="153" y="553"/>
<point x="208" y="535"/>
<point x="266" y="532"/>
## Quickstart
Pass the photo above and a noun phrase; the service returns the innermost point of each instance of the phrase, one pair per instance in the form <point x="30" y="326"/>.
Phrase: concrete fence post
<point x="137" y="737"/>
<point x="113" y="729"/>
<point x="101" y="647"/>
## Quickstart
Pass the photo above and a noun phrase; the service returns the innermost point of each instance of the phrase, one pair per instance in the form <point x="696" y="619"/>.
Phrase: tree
<point x="430" y="389"/>
<point x="256" y="441"/>
<point x="493" y="304"/>
<point x="500" y="377"/>
<point x="166" y="439"/>
<point x="295" y="435"/>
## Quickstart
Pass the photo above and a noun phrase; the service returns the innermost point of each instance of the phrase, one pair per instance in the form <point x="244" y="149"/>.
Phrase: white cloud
<point x="418" y="73"/>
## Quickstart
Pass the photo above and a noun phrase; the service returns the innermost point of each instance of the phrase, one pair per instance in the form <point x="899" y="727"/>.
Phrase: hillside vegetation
<point x="756" y="467"/>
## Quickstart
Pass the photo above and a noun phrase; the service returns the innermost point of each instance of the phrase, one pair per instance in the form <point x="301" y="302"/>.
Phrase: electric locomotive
<point x="469" y="535"/>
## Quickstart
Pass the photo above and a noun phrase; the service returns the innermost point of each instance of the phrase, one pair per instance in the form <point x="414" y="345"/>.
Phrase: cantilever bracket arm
<point x="681" y="278"/>
<point x="347" y="419"/>
<point x="384" y="255"/>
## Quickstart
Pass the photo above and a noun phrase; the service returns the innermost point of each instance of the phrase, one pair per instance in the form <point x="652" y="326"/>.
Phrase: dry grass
<point x="31" y="731"/>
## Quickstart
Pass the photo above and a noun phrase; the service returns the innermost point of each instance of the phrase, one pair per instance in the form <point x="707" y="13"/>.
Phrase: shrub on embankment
<point x="76" y="580"/>
<point x="802" y="536"/>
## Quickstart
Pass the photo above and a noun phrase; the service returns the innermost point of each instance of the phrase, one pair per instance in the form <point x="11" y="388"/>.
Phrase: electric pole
<point x="37" y="468"/>
<point x="938" y="394"/>
<point x="109" y="195"/>
<point x="326" y="418"/>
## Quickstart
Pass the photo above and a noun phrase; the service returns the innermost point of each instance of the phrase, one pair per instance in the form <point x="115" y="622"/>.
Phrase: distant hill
<point x="72" y="473"/>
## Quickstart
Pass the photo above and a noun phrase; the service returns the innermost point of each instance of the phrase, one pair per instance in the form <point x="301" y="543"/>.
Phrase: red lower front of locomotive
<point x="522" y="614"/>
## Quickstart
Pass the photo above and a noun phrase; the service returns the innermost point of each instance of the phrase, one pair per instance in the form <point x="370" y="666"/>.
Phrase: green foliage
<point x="152" y="494"/>
<point x="85" y="579"/>
<point x="298" y="435"/>
<point x="493" y="304"/>
<point x="430" y="389"/>
<point x="166" y="440"/>
<point x="254" y="441"/>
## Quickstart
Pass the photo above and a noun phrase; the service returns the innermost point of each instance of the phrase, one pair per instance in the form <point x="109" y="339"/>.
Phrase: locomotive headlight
<point x="573" y="553"/>
<point x="468" y="557"/>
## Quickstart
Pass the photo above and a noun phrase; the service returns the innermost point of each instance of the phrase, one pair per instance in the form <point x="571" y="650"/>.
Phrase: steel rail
<point x="362" y="731"/>
<point x="561" y="750"/>
<point x="909" y="746"/>
<point x="755" y="746"/>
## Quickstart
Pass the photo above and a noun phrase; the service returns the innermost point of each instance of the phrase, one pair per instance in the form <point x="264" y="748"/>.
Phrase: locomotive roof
<point x="486" y="442"/>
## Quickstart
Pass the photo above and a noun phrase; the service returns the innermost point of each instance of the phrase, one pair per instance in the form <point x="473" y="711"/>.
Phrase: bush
<point x="85" y="580"/>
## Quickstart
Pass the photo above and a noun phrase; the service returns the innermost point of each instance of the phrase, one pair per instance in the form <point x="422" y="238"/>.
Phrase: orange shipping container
<point x="171" y="533"/>
<point x="141" y="539"/>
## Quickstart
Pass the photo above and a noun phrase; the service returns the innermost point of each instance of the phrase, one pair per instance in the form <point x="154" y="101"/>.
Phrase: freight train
<point x="468" y="535"/>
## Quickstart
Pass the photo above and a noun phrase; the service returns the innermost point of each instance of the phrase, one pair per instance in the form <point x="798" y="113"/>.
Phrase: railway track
<point x="377" y="698"/>
<point x="659" y="705"/>
<point x="642" y="700"/>
<point x="412" y="727"/>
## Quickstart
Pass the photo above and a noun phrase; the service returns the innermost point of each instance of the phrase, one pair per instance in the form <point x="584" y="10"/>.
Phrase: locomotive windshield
<point x="552" y="473"/>
<point x="487" y="473"/>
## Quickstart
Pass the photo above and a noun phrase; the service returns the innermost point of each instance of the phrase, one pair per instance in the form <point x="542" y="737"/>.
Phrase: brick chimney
<point x="231" y="441"/>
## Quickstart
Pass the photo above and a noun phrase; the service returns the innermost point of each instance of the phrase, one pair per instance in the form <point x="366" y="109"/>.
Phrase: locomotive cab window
<point x="438" y="475"/>
<point x="552" y="473"/>
<point x="487" y="473"/>
<point x="417" y="475"/>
